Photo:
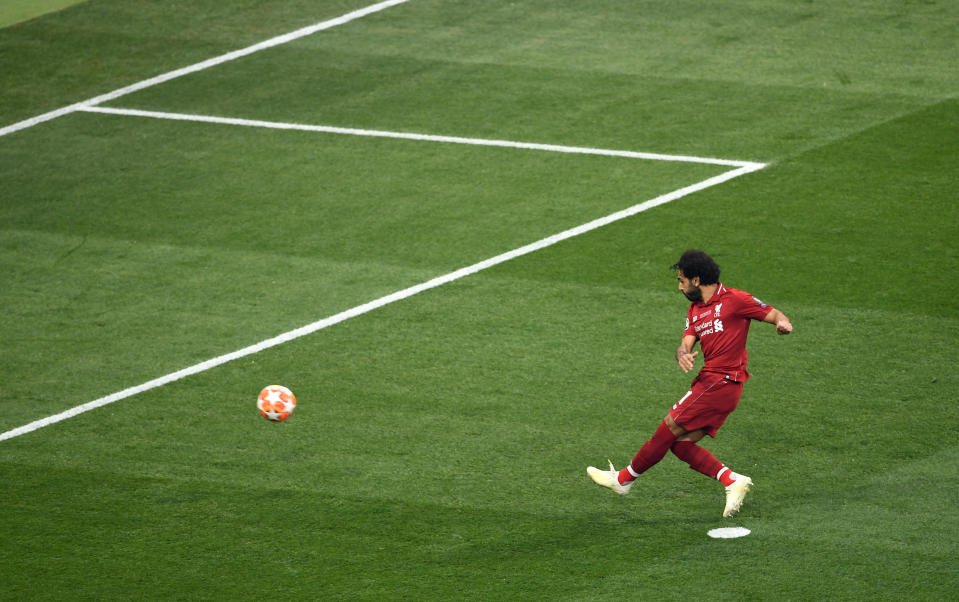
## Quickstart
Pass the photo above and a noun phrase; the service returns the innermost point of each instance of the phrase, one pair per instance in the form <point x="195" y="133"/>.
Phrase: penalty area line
<point x="329" y="129"/>
<point x="382" y="301"/>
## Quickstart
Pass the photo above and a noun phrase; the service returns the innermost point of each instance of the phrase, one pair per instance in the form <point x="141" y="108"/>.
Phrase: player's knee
<point x="674" y="428"/>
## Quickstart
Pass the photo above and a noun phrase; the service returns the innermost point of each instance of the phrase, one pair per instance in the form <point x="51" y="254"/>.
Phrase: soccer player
<point x="719" y="319"/>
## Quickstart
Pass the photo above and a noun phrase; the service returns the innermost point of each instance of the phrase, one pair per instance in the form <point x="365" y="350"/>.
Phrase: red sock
<point x="701" y="460"/>
<point x="649" y="454"/>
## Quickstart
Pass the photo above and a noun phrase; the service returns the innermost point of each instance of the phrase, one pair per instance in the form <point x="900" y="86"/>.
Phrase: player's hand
<point x="686" y="360"/>
<point x="784" y="326"/>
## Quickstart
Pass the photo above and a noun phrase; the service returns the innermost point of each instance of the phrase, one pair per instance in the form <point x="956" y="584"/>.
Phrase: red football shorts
<point x="710" y="400"/>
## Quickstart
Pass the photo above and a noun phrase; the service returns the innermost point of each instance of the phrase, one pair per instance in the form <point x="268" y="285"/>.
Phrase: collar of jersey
<point x="720" y="291"/>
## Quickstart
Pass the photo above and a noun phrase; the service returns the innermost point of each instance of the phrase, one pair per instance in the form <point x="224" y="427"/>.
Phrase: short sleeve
<point x="751" y="307"/>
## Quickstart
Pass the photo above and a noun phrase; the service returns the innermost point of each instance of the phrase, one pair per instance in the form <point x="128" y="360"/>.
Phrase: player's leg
<point x="701" y="460"/>
<point x="707" y="413"/>
<point x="652" y="451"/>
<point x="701" y="414"/>
<point x="698" y="458"/>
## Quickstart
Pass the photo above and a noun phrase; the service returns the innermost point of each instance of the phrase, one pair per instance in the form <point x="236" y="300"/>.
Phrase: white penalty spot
<point x="728" y="532"/>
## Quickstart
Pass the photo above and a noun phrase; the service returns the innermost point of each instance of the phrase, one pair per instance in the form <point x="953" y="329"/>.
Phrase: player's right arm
<point x="783" y="325"/>
<point x="685" y="354"/>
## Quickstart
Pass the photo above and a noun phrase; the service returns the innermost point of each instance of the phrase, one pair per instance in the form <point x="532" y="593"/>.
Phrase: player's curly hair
<point x="697" y="263"/>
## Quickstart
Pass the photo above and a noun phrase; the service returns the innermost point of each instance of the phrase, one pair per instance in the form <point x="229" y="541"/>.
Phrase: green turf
<point x="440" y="444"/>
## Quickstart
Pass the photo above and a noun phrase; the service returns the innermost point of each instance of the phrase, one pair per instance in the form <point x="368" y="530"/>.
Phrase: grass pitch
<point x="439" y="448"/>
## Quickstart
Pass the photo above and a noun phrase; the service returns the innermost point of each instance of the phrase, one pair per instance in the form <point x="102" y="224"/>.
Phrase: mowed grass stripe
<point x="380" y="302"/>
<point x="213" y="62"/>
<point x="15" y="11"/>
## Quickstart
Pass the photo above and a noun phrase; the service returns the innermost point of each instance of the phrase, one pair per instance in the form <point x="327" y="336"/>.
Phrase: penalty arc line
<point x="213" y="62"/>
<point x="382" y="301"/>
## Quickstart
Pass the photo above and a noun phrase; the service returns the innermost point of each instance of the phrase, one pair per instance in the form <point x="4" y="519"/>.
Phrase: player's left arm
<point x="783" y="325"/>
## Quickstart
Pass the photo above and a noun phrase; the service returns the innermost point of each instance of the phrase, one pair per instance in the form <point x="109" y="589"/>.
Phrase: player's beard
<point x="694" y="294"/>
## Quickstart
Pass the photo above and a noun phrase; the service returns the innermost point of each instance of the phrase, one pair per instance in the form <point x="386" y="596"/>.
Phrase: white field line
<point x="377" y="303"/>
<point x="411" y="136"/>
<point x="278" y="40"/>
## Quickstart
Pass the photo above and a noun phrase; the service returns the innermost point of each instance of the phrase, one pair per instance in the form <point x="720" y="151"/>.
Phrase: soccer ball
<point x="276" y="403"/>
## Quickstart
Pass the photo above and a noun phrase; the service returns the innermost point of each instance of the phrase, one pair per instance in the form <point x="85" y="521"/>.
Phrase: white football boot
<point x="735" y="494"/>
<point x="608" y="478"/>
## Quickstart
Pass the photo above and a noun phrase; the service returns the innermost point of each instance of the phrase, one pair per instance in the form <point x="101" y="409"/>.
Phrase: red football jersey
<point x="721" y="326"/>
